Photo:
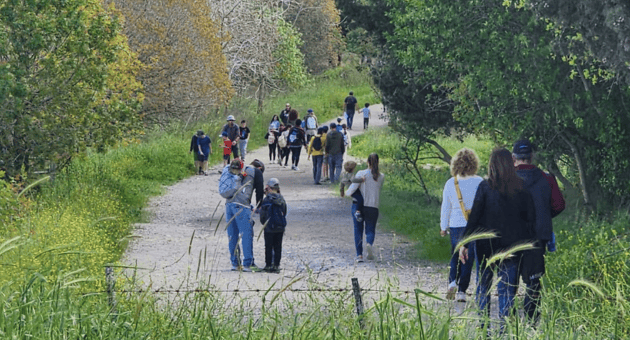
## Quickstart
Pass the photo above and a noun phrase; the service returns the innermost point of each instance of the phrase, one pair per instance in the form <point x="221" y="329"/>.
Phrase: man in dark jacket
<point x="334" y="149"/>
<point x="548" y="203"/>
<point x="284" y="114"/>
<point x="233" y="133"/>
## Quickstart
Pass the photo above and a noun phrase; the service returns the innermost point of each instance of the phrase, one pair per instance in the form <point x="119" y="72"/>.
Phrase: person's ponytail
<point x="373" y="164"/>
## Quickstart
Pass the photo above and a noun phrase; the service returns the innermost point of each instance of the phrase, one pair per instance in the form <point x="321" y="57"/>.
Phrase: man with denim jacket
<point x="548" y="203"/>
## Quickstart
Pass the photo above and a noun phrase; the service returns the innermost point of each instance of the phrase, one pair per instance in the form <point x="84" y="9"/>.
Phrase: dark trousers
<point x="317" y="168"/>
<point x="235" y="149"/>
<point x="285" y="155"/>
<point x="366" y="121"/>
<point x="272" y="151"/>
<point x="273" y="249"/>
<point x="534" y="268"/>
<point x="295" y="154"/>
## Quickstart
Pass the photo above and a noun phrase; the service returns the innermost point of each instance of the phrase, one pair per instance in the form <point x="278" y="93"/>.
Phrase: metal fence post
<point x="111" y="286"/>
<point x="358" y="300"/>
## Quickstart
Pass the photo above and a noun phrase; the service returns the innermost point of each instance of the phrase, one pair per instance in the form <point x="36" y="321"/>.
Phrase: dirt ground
<point x="185" y="244"/>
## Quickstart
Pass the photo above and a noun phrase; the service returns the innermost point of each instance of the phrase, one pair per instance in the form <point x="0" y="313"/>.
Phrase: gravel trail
<point x="184" y="245"/>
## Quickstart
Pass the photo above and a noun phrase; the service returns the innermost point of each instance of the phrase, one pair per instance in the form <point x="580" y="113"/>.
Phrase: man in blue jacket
<point x="548" y="203"/>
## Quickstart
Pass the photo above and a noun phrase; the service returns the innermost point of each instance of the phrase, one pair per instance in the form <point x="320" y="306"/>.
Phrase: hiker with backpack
<point x="273" y="212"/>
<point x="310" y="124"/>
<point x="457" y="199"/>
<point x="283" y="145"/>
<point x="237" y="184"/>
<point x="204" y="146"/>
<point x="195" y="151"/>
<point x="316" y="149"/>
<point x="243" y="138"/>
<point x="296" y="140"/>
<point x="272" y="140"/>
<point x="293" y="117"/>
<point x="325" y="177"/>
<point x="233" y="134"/>
<point x="334" y="148"/>
<point x="349" y="107"/>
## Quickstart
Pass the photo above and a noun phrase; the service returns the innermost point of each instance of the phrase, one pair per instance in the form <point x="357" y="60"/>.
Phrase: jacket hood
<point x="275" y="198"/>
<point x="530" y="176"/>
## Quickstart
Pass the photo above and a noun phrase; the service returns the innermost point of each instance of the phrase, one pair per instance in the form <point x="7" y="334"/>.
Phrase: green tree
<point x="290" y="60"/>
<point x="67" y="81"/>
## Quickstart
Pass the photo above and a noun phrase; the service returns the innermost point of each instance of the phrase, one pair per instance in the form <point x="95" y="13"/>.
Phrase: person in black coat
<point x="502" y="206"/>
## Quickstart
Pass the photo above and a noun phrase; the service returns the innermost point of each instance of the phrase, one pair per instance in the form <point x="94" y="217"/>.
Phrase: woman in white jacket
<point x="453" y="218"/>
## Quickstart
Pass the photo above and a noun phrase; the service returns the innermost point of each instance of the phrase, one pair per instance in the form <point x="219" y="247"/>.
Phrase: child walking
<point x="273" y="212"/>
<point x="352" y="190"/>
<point x="227" y="148"/>
<point x="366" y="115"/>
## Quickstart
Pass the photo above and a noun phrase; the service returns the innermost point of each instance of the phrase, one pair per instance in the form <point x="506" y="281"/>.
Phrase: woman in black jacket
<point x="501" y="206"/>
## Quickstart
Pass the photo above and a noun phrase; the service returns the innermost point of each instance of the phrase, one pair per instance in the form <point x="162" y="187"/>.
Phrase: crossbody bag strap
<point x="461" y="200"/>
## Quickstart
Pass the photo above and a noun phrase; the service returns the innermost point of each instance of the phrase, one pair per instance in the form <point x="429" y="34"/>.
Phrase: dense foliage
<point x="67" y="82"/>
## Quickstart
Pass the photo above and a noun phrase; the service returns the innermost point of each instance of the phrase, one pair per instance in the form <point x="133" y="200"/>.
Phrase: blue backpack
<point x="273" y="216"/>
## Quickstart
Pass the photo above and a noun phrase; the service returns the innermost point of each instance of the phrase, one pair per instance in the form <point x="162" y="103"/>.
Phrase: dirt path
<point x="182" y="247"/>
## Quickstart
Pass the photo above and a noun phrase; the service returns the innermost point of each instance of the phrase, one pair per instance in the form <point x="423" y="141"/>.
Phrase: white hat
<point x="230" y="118"/>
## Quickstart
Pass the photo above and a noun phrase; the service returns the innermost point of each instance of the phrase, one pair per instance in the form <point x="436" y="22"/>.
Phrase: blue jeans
<point x="242" y="146"/>
<point x="240" y="226"/>
<point x="317" y="167"/>
<point x="461" y="272"/>
<point x="507" y="273"/>
<point x="335" y="162"/>
<point x="370" y="215"/>
<point x="350" y="119"/>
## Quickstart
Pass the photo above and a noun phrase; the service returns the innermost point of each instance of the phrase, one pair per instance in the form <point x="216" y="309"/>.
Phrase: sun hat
<point x="230" y="118"/>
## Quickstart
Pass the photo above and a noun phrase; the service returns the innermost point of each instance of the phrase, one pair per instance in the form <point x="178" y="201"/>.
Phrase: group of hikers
<point x="287" y="134"/>
<point x="516" y="202"/>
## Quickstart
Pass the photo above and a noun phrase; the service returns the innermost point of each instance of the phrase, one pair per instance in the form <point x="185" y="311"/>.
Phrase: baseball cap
<point x="199" y="132"/>
<point x="309" y="110"/>
<point x="522" y="149"/>
<point x="230" y="117"/>
<point x="224" y="134"/>
<point x="274" y="183"/>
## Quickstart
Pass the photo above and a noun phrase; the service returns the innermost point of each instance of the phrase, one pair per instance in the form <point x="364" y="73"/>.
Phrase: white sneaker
<point x="451" y="290"/>
<point x="460" y="297"/>
<point x="360" y="258"/>
<point x="370" y="252"/>
<point x="296" y="169"/>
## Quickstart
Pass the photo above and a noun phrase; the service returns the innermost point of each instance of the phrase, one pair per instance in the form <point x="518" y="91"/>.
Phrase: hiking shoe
<point x="267" y="269"/>
<point x="275" y="270"/>
<point x="234" y="268"/>
<point x="318" y="183"/>
<point x="360" y="258"/>
<point x="358" y="216"/>
<point x="253" y="268"/>
<point x="460" y="297"/>
<point x="451" y="290"/>
<point x="370" y="252"/>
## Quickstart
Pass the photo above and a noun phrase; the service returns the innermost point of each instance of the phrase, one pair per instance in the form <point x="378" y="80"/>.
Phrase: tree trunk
<point x="581" y="171"/>
<point x="446" y="157"/>
<point x="554" y="170"/>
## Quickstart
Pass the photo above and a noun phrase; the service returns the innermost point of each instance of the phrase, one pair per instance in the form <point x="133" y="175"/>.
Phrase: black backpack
<point x="317" y="143"/>
<point x="273" y="216"/>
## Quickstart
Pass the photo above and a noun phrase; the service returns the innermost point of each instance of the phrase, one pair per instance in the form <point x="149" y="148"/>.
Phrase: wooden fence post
<point x="358" y="300"/>
<point x="111" y="286"/>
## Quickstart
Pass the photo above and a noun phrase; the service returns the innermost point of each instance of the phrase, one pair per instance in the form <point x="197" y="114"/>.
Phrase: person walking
<point x="283" y="144"/>
<point x="238" y="211"/>
<point x="503" y="206"/>
<point x="325" y="176"/>
<point x="367" y="114"/>
<point x="284" y="114"/>
<point x="370" y="182"/>
<point x="273" y="214"/>
<point x="316" y="149"/>
<point x="272" y="140"/>
<point x="243" y="138"/>
<point x="349" y="106"/>
<point x="204" y="149"/>
<point x="347" y="140"/>
<point x="233" y="134"/>
<point x="335" y="149"/>
<point x="293" y="117"/>
<point x="549" y="203"/>
<point x="296" y="140"/>
<point x="274" y="124"/>
<point x="457" y="199"/>
<point x="195" y="151"/>
<point x="310" y="125"/>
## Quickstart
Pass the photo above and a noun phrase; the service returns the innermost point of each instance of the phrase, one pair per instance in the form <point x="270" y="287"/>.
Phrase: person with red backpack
<point x="316" y="149"/>
<point x="296" y="139"/>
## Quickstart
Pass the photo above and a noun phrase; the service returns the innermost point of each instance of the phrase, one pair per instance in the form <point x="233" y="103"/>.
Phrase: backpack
<point x="317" y="143"/>
<point x="282" y="140"/>
<point x="311" y="123"/>
<point x="272" y="138"/>
<point x="293" y="136"/>
<point x="273" y="216"/>
<point x="228" y="183"/>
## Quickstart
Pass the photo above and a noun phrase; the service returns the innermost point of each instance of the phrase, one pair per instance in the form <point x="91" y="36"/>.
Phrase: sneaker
<point x="358" y="216"/>
<point x="267" y="269"/>
<point x="234" y="268"/>
<point x="253" y="268"/>
<point x="460" y="297"/>
<point x="296" y="169"/>
<point x="318" y="183"/>
<point x="275" y="270"/>
<point x="279" y="162"/>
<point x="370" y="252"/>
<point x="360" y="258"/>
<point x="451" y="290"/>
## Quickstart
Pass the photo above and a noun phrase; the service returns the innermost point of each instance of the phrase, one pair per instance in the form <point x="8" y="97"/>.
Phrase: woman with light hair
<point x="457" y="200"/>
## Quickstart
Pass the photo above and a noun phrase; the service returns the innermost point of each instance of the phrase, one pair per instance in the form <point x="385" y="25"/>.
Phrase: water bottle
<point x="551" y="245"/>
